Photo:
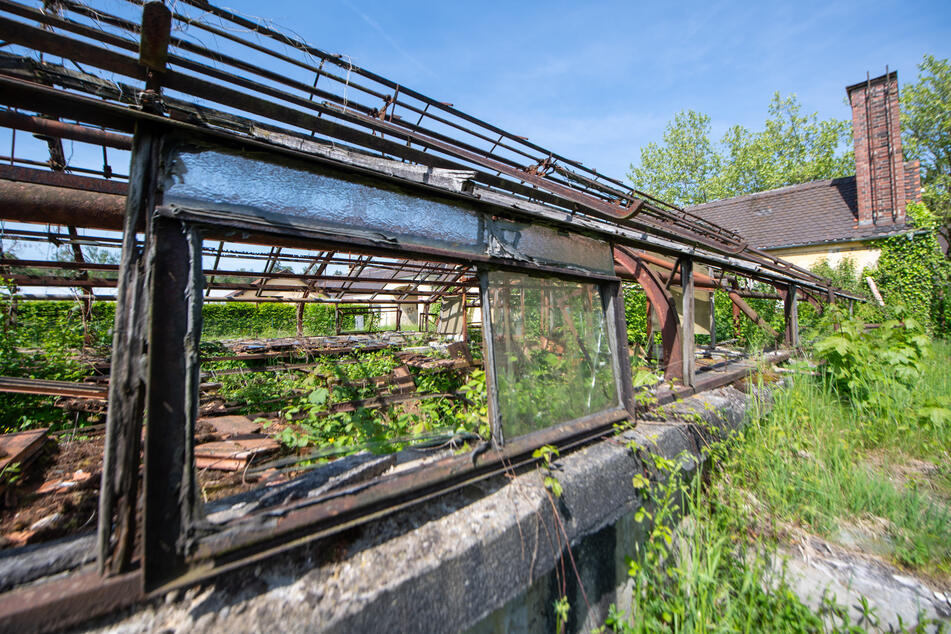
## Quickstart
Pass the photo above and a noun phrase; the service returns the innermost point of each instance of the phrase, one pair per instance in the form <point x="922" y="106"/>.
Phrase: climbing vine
<point x="911" y="271"/>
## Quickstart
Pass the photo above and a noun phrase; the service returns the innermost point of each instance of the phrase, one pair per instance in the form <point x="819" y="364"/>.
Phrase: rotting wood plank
<point x="118" y="498"/>
<point x="173" y="379"/>
<point x="234" y="454"/>
<point x="119" y="489"/>
<point x="20" y="448"/>
<point x="791" y="315"/>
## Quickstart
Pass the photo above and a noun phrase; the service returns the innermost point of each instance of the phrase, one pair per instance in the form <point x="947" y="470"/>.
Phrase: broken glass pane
<point x="552" y="349"/>
<point x="545" y="245"/>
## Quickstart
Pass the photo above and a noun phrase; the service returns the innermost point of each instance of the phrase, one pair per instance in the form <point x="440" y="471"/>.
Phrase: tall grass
<point x="814" y="461"/>
<point x="701" y="577"/>
<point x="818" y="460"/>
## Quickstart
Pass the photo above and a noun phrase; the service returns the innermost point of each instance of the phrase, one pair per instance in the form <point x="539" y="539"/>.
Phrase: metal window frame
<point x="615" y="323"/>
<point x="178" y="543"/>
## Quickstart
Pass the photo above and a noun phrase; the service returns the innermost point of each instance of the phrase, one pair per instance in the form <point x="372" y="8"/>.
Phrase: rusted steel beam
<point x="773" y="264"/>
<point x="67" y="601"/>
<point x="674" y="224"/>
<point x="751" y="313"/>
<point x="68" y="48"/>
<point x="733" y="293"/>
<point x="442" y="476"/>
<point x="31" y="202"/>
<point x="675" y="280"/>
<point x="735" y="309"/>
<point x="663" y="304"/>
<point x="74" y="49"/>
<point x="94" y="266"/>
<point x="17" y="385"/>
<point x="61" y="130"/>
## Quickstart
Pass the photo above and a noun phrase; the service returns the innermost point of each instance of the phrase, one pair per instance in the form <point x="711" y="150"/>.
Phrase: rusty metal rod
<point x="62" y="130"/>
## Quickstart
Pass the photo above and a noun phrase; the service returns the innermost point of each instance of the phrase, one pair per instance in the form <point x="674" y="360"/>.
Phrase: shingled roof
<point x="817" y="212"/>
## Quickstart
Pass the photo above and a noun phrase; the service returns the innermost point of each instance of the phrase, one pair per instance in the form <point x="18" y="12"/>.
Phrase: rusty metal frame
<point x="662" y="303"/>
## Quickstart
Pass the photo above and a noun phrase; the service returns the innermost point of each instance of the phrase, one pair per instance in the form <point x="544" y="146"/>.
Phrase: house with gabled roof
<point x="842" y="217"/>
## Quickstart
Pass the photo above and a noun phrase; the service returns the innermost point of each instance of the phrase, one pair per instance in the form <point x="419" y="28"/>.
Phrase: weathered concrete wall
<point x="489" y="558"/>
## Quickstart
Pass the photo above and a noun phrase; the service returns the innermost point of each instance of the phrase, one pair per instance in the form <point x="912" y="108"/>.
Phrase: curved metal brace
<point x="663" y="303"/>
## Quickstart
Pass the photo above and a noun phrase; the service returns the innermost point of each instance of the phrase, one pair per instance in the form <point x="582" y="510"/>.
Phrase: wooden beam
<point x="791" y="313"/>
<point x="173" y="382"/>
<point x="118" y="499"/>
<point x="687" y="339"/>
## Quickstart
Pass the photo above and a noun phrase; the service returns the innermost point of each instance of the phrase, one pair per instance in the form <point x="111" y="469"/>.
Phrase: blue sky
<point x="598" y="80"/>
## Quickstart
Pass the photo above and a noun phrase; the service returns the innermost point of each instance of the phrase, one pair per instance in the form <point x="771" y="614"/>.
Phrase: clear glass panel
<point x="251" y="186"/>
<point x="553" y="359"/>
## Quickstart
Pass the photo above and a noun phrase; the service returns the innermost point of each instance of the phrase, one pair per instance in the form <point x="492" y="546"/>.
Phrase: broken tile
<point x="234" y="454"/>
<point x="230" y="426"/>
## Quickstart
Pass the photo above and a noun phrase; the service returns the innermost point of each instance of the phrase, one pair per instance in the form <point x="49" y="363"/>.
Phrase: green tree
<point x="792" y="148"/>
<point x="684" y="169"/>
<point x="926" y="127"/>
<point x="689" y="169"/>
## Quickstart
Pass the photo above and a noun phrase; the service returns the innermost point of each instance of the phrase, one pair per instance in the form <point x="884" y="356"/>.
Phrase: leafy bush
<point x="342" y="379"/>
<point x="862" y="363"/>
<point x="60" y="323"/>
<point x="273" y="319"/>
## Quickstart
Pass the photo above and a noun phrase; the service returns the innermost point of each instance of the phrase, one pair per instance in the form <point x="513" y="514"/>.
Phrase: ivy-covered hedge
<point x="39" y="324"/>
<point x="252" y="320"/>
<point x="61" y="323"/>
<point x="913" y="273"/>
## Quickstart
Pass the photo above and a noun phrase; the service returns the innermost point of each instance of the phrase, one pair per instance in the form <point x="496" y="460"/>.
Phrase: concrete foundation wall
<point x="488" y="558"/>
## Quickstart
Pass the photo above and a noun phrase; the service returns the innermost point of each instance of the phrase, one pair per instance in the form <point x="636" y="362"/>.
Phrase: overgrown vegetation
<point x="52" y="340"/>
<point x="240" y="319"/>
<point x="912" y="273"/>
<point x="53" y="358"/>
<point x="458" y="407"/>
<point x="36" y="322"/>
<point x="860" y="444"/>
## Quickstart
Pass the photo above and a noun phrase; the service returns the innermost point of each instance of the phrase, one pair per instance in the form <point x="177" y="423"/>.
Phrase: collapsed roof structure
<point x="359" y="190"/>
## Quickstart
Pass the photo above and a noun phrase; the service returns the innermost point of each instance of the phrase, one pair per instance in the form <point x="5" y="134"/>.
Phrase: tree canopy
<point x="926" y="135"/>
<point x="688" y="168"/>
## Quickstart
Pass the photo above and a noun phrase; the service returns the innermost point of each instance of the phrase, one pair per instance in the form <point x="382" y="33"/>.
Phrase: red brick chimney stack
<point x="879" y="168"/>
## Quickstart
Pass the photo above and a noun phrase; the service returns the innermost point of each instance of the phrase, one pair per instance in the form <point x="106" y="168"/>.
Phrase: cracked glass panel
<point x="545" y="245"/>
<point x="210" y="179"/>
<point x="553" y="359"/>
<point x="289" y="193"/>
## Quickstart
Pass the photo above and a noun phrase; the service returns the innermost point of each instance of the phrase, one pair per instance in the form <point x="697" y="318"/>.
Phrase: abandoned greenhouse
<point x="316" y="299"/>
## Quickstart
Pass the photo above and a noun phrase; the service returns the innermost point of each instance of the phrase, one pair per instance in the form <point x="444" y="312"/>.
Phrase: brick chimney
<point x="879" y="168"/>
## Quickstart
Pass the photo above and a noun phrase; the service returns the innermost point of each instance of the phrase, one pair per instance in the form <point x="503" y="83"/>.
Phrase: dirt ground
<point x="57" y="494"/>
